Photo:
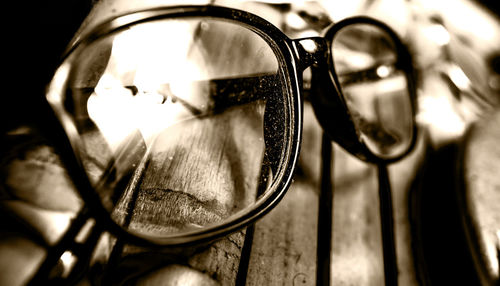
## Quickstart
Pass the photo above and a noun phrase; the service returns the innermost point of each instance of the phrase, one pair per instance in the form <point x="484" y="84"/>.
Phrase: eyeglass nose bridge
<point x="311" y="51"/>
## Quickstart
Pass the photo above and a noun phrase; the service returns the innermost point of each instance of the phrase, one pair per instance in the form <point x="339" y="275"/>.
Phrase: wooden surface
<point x="37" y="193"/>
<point x="186" y="186"/>
<point x="283" y="246"/>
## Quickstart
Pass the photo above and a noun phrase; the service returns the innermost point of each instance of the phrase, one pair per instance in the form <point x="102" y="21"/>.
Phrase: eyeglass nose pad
<point x="331" y="111"/>
<point x="311" y="51"/>
<point x="325" y="98"/>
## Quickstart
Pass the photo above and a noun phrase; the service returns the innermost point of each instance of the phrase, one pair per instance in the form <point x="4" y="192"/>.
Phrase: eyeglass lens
<point x="375" y="88"/>
<point x="183" y="121"/>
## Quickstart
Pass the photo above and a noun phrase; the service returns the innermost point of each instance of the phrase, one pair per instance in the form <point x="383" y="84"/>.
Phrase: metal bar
<point x="387" y="224"/>
<point x="325" y="213"/>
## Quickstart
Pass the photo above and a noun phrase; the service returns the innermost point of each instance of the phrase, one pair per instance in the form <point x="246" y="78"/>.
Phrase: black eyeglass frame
<point x="294" y="59"/>
<point x="325" y="83"/>
<point x="68" y="146"/>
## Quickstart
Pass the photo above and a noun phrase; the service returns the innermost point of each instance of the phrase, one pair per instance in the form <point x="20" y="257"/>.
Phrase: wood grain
<point x="199" y="172"/>
<point x="284" y="244"/>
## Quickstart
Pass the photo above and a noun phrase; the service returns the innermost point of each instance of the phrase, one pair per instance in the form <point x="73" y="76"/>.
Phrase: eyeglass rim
<point x="287" y="47"/>
<point x="347" y="138"/>
<point x="273" y="36"/>
<point x="359" y="148"/>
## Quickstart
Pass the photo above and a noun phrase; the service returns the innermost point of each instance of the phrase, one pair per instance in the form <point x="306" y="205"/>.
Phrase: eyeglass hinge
<point x="311" y="51"/>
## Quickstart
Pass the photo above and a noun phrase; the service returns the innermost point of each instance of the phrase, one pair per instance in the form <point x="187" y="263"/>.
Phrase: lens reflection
<point x="374" y="87"/>
<point x="174" y="116"/>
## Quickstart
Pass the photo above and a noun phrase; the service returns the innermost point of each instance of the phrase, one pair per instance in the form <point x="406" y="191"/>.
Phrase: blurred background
<point x="456" y="52"/>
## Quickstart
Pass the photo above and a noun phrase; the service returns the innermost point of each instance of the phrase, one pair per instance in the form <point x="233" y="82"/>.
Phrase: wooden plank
<point x="401" y="175"/>
<point x="182" y="184"/>
<point x="283" y="250"/>
<point x="357" y="245"/>
<point x="356" y="238"/>
<point x="199" y="172"/>
<point x="284" y="243"/>
<point x="222" y="258"/>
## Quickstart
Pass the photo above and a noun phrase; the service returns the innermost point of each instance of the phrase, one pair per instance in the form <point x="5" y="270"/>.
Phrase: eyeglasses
<point x="179" y="125"/>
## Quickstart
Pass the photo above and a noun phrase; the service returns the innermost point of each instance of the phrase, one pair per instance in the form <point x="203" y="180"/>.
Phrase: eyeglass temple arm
<point x="364" y="75"/>
<point x="228" y="92"/>
<point x="223" y="93"/>
<point x="238" y="91"/>
<point x="325" y="214"/>
<point x="387" y="225"/>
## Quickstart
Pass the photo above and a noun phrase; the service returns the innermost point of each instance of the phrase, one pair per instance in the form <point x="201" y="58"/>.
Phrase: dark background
<point x="36" y="35"/>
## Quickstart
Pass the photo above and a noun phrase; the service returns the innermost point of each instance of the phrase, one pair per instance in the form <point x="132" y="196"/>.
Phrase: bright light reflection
<point x="458" y="77"/>
<point x="492" y="249"/>
<point x="295" y="21"/>
<point x="393" y="84"/>
<point x="438" y="114"/>
<point x="142" y="58"/>
<point x="55" y="93"/>
<point x="60" y="222"/>
<point x="360" y="61"/>
<point x="348" y="60"/>
<point x="68" y="260"/>
<point x="438" y="34"/>
<point x="495" y="259"/>
<point x="383" y="71"/>
<point x="467" y="17"/>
